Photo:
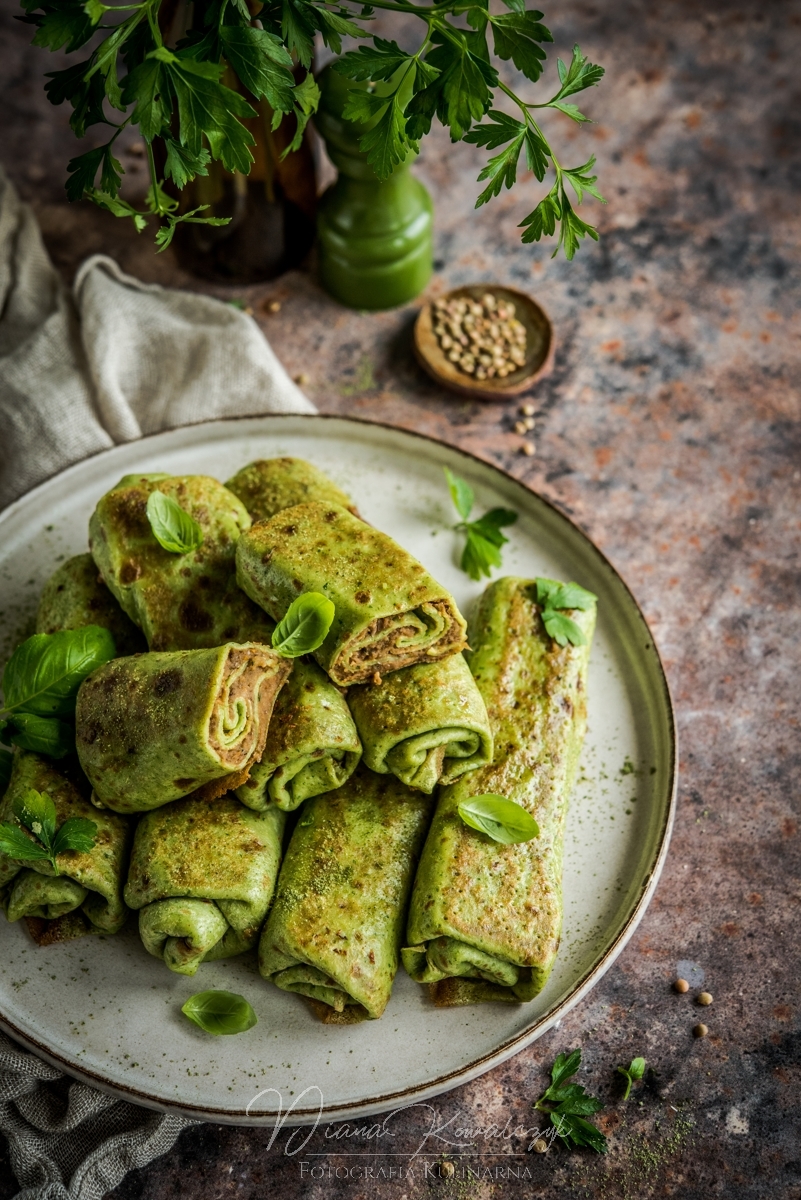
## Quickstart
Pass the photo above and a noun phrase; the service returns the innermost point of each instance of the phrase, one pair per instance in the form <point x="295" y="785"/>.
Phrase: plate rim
<point x="486" y="1062"/>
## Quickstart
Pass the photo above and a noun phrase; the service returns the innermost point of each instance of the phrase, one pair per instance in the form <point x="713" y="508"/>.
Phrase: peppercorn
<point x="484" y="339"/>
<point x="681" y="985"/>
<point x="700" y="1031"/>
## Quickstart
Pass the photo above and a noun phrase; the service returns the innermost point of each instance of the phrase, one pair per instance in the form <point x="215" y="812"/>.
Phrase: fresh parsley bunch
<point x="482" y="548"/>
<point x="568" y="1106"/>
<point x="43" y="842"/>
<point x="177" y="97"/>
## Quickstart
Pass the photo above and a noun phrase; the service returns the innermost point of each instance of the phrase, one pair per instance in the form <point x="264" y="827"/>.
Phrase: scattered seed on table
<point x="529" y="423"/>
<point x="528" y="448"/>
<point x="526" y="410"/>
<point x="700" y="1031"/>
<point x="521" y="427"/>
<point x="681" y="985"/>
<point x="274" y="306"/>
<point x="540" y="1146"/>
<point x="447" y="1169"/>
<point x="704" y="998"/>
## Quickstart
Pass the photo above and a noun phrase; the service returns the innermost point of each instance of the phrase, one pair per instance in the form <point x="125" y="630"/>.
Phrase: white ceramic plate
<point x="108" y="1013"/>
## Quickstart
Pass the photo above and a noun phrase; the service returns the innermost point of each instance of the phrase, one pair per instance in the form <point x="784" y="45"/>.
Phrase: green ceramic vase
<point x="374" y="237"/>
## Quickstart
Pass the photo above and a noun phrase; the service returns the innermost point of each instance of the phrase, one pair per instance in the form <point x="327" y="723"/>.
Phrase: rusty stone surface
<point x="670" y="431"/>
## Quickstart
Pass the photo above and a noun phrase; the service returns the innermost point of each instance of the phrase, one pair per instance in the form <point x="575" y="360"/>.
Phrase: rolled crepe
<point x="180" y="601"/>
<point x="155" y="727"/>
<point x="269" y="485"/>
<point x="202" y="877"/>
<point x="86" y="896"/>
<point x="333" y="933"/>
<point x="75" y="596"/>
<point x="426" y="724"/>
<point x="390" y="613"/>
<point x="312" y="745"/>
<point x="485" y="919"/>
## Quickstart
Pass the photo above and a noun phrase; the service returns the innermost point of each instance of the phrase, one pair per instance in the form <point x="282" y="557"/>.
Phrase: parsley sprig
<point x="43" y="842"/>
<point x="177" y="97"/>
<point x="568" y="1106"/>
<point x="482" y="548"/>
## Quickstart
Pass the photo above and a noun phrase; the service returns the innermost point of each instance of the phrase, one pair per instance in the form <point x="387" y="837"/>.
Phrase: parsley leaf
<point x="262" y="62"/>
<point x="516" y="36"/>
<point x="377" y="62"/>
<point x="36" y="813"/>
<point x="579" y="75"/>
<point x="632" y="1074"/>
<point x="305" y="98"/>
<point x="553" y="596"/>
<point x="482" y="549"/>
<point x="568" y="1106"/>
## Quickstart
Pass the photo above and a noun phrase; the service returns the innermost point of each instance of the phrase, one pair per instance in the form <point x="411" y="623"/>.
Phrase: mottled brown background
<point x="670" y="432"/>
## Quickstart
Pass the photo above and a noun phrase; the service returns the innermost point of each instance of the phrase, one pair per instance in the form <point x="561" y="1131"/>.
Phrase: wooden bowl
<point x="539" y="346"/>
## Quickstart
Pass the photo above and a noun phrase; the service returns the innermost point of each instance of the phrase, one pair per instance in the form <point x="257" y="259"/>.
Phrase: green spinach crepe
<point x="86" y="895"/>
<point x="426" y="724"/>
<point x="155" y="727"/>
<point x="75" y="596"/>
<point x="335" y="928"/>
<point x="180" y="601"/>
<point x="202" y="877"/>
<point x="485" y="919"/>
<point x="390" y="613"/>
<point x="312" y="745"/>
<point x="269" y="485"/>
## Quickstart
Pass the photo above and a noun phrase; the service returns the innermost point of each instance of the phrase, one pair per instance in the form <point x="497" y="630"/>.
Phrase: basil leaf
<point x="462" y="494"/>
<point x="17" y="844"/>
<point x="305" y="625"/>
<point x="44" y="673"/>
<point x="563" y="629"/>
<point x="637" y="1068"/>
<point x="173" y="529"/>
<point x="43" y="735"/>
<point x="220" y="1012"/>
<point x="6" y="763"/>
<point x="503" y="820"/>
<point x="37" y="812"/>
<point x="78" y="833"/>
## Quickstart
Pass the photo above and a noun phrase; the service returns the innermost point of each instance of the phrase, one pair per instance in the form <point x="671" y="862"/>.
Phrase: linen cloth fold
<point x="114" y="359"/>
<point x="80" y="371"/>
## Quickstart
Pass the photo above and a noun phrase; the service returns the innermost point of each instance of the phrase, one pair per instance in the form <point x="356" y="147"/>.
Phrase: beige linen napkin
<point x="114" y="359"/>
